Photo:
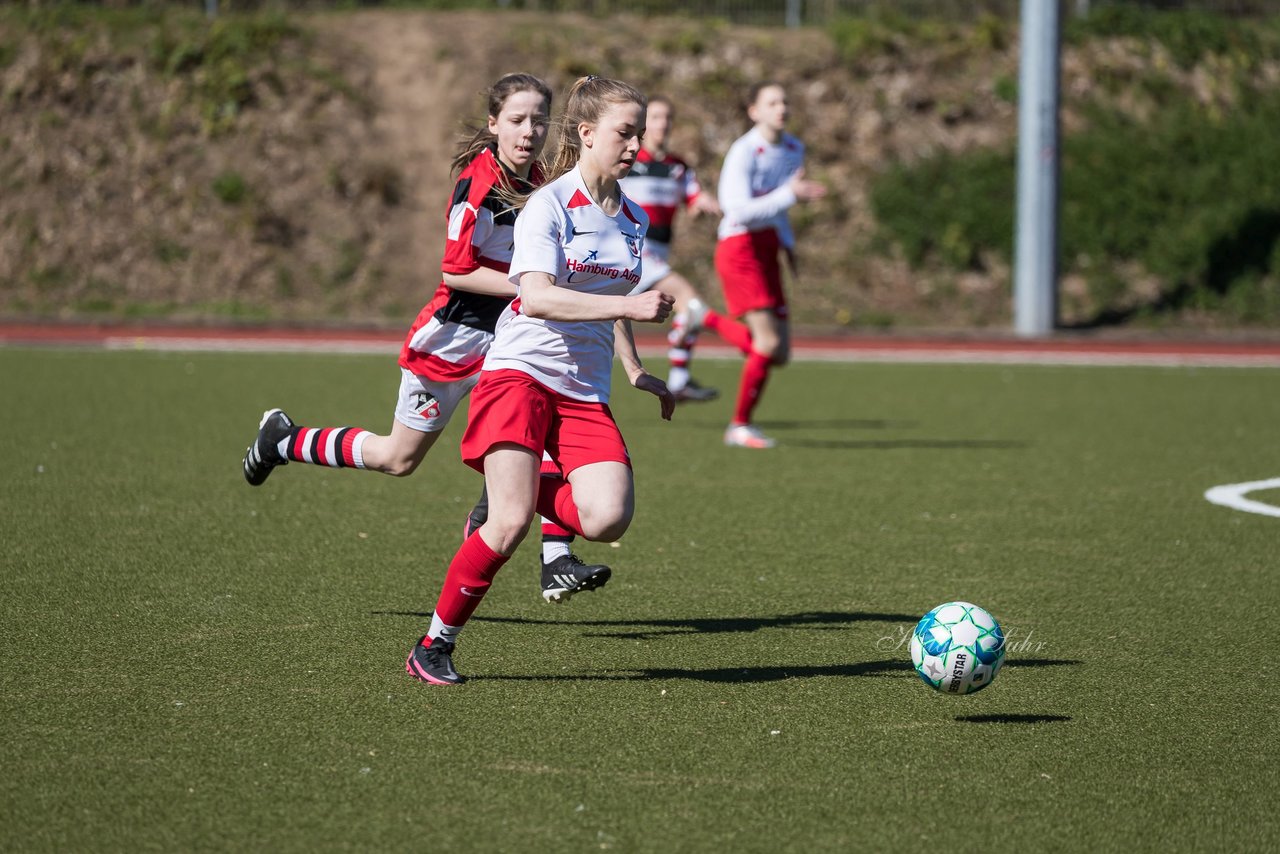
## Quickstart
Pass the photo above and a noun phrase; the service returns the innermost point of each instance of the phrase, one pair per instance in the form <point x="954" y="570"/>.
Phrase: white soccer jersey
<point x="755" y="189"/>
<point x="562" y="232"/>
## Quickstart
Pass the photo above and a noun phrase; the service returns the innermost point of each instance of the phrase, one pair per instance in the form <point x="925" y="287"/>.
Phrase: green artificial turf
<point x="193" y="664"/>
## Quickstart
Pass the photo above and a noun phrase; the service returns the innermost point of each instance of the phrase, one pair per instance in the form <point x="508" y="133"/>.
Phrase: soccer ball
<point x="957" y="648"/>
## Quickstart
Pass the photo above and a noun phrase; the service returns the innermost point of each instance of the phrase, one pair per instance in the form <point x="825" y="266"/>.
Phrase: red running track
<point x="1057" y="350"/>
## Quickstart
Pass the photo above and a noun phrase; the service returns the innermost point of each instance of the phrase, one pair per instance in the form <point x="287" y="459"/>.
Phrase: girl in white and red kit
<point x="762" y="177"/>
<point x="546" y="381"/>
<point x="444" y="350"/>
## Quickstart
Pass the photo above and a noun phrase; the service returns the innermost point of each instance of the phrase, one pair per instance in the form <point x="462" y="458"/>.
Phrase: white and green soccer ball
<point x="957" y="648"/>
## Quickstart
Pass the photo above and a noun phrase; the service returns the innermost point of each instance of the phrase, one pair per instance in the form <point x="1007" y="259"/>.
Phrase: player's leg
<point x="509" y="420"/>
<point x="604" y="493"/>
<point x="423" y="409"/>
<point x="400" y="453"/>
<point x="687" y="322"/>
<point x="557" y="557"/>
<point x="280" y="441"/>
<point x="585" y="441"/>
<point x="752" y="279"/>
<point x="771" y="345"/>
<point x="511" y="476"/>
<point x="596" y="507"/>
<point x="736" y="265"/>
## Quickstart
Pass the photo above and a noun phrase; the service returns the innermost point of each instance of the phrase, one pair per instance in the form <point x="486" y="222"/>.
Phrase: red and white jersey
<point x="661" y="186"/>
<point x="451" y="335"/>
<point x="562" y="232"/>
<point x="755" y="189"/>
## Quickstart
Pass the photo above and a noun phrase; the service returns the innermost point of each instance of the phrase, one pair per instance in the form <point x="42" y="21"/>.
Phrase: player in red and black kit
<point x="446" y="346"/>
<point x="662" y="183"/>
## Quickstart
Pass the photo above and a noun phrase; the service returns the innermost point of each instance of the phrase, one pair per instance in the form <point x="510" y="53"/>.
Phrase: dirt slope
<point x="116" y="200"/>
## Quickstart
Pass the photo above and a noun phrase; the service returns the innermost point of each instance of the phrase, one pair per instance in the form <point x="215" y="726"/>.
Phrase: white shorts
<point x="654" y="266"/>
<point x="427" y="405"/>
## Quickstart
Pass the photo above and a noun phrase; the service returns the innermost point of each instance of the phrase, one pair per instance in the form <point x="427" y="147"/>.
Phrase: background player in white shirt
<point x="546" y="380"/>
<point x="662" y="183"/>
<point x="444" y="350"/>
<point x="762" y="176"/>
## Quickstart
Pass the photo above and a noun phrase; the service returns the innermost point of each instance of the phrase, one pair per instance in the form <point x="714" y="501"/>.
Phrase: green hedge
<point x="1192" y="196"/>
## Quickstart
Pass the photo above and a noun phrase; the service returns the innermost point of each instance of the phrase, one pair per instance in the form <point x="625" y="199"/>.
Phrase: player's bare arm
<point x="624" y="347"/>
<point x="541" y="298"/>
<point x="482" y="280"/>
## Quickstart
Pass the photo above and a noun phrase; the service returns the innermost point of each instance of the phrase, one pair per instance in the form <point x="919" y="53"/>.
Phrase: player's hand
<point x="806" y="190"/>
<point x="648" y="382"/>
<point x="705" y="204"/>
<point x="650" y="307"/>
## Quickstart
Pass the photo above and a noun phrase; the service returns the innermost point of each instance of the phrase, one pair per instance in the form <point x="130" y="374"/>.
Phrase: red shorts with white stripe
<point x="512" y="407"/>
<point x="750" y="273"/>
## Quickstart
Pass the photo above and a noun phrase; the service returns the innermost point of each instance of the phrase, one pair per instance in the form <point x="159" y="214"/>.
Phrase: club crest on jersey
<point x="633" y="244"/>
<point x="427" y="406"/>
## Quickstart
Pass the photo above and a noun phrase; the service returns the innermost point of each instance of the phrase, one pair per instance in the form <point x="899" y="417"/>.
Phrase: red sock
<point x="549" y="470"/>
<point x="470" y="574"/>
<point x="737" y="334"/>
<point x="555" y="502"/>
<point x="754" y="375"/>
<point x="551" y="529"/>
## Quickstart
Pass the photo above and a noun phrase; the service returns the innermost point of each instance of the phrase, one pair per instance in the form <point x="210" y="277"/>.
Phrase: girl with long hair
<point x="495" y="168"/>
<point x="546" y="380"/>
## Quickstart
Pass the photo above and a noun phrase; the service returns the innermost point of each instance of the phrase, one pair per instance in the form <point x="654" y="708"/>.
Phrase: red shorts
<point x="750" y="273"/>
<point x="512" y="407"/>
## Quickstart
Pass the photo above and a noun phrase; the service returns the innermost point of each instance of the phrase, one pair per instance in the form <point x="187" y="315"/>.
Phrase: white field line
<point x="801" y="353"/>
<point x="1233" y="495"/>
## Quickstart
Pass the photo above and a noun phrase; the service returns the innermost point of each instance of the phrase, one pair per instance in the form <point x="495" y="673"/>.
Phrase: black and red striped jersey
<point x="452" y="334"/>
<point x="660" y="186"/>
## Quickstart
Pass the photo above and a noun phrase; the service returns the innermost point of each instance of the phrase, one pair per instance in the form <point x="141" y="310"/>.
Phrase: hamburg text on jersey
<point x="564" y="233"/>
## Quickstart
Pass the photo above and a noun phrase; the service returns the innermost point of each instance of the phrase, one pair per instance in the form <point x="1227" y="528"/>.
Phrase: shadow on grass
<point x="720" y="674"/>
<point x="783" y="427"/>
<point x="1011" y="719"/>
<point x="692" y="626"/>
<point x="837" y="424"/>
<point x="900" y="444"/>
<point x="815" y="424"/>
<point x="717" y="625"/>
<point x="753" y="675"/>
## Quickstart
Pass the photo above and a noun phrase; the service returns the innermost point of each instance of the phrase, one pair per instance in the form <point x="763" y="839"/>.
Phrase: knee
<point x="508" y="529"/>
<point x="401" y="466"/>
<point x="606" y="522"/>
<point x="770" y="348"/>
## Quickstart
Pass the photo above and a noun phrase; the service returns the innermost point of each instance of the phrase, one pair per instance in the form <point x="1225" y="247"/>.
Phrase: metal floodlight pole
<point x="1036" y="267"/>
<point x="793" y="13"/>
